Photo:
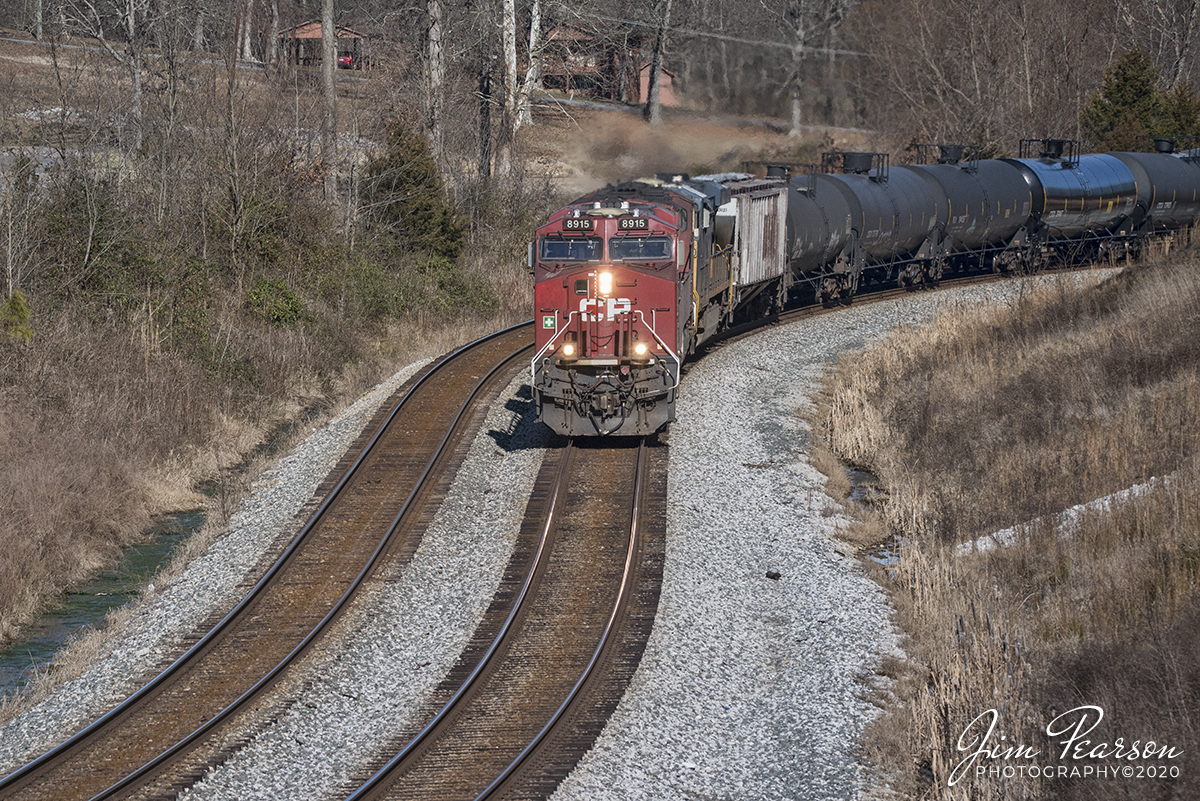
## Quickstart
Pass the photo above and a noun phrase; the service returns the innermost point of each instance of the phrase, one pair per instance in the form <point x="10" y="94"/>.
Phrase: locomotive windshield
<point x="576" y="248"/>
<point x="639" y="248"/>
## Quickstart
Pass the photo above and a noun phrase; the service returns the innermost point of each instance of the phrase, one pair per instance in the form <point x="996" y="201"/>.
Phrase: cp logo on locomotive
<point x="606" y="308"/>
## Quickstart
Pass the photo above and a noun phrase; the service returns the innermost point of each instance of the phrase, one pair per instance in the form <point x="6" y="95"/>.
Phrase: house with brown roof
<point x="302" y="44"/>
<point x="576" y="60"/>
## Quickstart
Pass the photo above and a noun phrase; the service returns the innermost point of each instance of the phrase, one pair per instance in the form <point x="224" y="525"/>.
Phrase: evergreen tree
<point x="1130" y="105"/>
<point x="1181" y="111"/>
<point x="1127" y="105"/>
<point x="405" y="196"/>
<point x="15" y="317"/>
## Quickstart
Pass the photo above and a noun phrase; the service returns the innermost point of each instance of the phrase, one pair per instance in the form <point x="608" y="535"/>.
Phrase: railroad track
<point x="548" y="668"/>
<point x="171" y="730"/>
<point x="876" y="294"/>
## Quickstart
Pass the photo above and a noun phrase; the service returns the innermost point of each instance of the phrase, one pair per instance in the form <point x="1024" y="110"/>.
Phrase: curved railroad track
<point x="504" y="728"/>
<point x="169" y="732"/>
<point x="875" y="294"/>
<point x="549" y="666"/>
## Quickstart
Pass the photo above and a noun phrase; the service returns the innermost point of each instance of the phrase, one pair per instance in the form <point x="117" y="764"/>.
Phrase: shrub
<point x="272" y="300"/>
<point x="15" y="317"/>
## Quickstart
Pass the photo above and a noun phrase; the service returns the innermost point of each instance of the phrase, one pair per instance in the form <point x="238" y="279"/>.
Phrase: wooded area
<point x="228" y="224"/>
<point x="987" y="73"/>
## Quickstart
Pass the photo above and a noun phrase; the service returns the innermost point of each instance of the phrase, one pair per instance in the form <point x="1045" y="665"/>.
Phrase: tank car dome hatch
<point x="857" y="163"/>
<point x="1053" y="149"/>
<point x="1163" y="145"/>
<point x="951" y="154"/>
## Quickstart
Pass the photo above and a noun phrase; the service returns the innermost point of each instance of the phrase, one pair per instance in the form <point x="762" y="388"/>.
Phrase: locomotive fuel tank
<point x="1167" y="195"/>
<point x="1077" y="196"/>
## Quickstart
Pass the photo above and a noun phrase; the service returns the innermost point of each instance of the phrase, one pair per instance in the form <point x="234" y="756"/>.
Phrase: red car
<point x="348" y="60"/>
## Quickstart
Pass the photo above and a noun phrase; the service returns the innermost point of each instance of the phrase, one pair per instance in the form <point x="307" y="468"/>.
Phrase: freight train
<point x="632" y="278"/>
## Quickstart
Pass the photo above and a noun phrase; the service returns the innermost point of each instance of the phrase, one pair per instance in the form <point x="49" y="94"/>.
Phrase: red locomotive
<point x="631" y="278"/>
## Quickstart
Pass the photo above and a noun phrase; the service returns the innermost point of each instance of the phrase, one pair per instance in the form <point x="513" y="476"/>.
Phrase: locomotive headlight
<point x="568" y="350"/>
<point x="604" y="283"/>
<point x="640" y="349"/>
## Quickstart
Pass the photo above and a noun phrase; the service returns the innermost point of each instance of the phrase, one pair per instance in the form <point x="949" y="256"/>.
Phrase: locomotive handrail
<point x="533" y="362"/>
<point x="665" y="346"/>
<point x="678" y="363"/>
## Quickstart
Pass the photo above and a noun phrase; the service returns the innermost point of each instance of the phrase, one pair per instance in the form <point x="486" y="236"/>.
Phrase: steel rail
<point x="132" y="700"/>
<point x="556" y="496"/>
<point x="341" y="603"/>
<point x="588" y="671"/>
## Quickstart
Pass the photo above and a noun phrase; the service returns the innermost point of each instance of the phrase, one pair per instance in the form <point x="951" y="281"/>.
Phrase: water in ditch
<point x="88" y="604"/>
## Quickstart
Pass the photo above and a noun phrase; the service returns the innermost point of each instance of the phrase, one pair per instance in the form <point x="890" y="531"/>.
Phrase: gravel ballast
<point x="751" y="687"/>
<point x="214" y="581"/>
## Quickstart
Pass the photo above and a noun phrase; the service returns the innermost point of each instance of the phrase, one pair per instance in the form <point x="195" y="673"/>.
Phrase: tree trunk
<point x="436" y="80"/>
<point x="134" y="30"/>
<point x="509" y="35"/>
<point x="273" y="43"/>
<point x="653" y="111"/>
<point x="533" y="75"/>
<point x="329" y="91"/>
<point x="247" y="26"/>
<point x="795" y="92"/>
<point x="485" y="122"/>
<point x="198" y="43"/>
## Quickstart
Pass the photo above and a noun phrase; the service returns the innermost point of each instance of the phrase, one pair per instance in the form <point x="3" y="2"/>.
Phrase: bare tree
<point x="1166" y="29"/>
<point x="19" y="175"/>
<point x="652" y="113"/>
<point x="329" y="91"/>
<point x="809" y="28"/>
<point x="989" y="72"/>
<point x="134" y="21"/>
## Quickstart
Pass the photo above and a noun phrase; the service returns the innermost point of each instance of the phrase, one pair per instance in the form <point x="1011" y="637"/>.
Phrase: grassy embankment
<point x="995" y="416"/>
<point x="168" y="305"/>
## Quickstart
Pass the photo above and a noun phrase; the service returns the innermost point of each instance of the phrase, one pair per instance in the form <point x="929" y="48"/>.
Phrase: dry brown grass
<point x="993" y="417"/>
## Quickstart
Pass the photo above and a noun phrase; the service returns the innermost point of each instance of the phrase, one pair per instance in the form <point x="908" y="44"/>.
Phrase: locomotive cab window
<point x="569" y="249"/>
<point x="640" y="248"/>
